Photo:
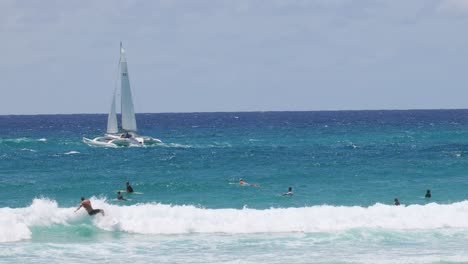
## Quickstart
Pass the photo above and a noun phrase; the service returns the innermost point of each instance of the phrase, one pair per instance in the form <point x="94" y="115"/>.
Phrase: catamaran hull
<point x="114" y="141"/>
<point x="97" y="143"/>
<point x="125" y="142"/>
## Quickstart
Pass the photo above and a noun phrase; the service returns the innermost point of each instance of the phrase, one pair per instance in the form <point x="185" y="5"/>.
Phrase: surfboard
<point x="125" y="192"/>
<point x="126" y="199"/>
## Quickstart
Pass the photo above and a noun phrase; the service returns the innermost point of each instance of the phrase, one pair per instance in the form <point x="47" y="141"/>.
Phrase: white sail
<point x="128" y="113"/>
<point x="112" y="118"/>
<point x="113" y="138"/>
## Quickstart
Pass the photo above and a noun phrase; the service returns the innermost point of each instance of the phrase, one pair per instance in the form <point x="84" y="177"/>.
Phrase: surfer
<point x="428" y="194"/>
<point x="120" y="196"/>
<point x="396" y="201"/>
<point x="289" y="193"/>
<point x="129" y="188"/>
<point x="87" y="205"/>
<point x="243" y="183"/>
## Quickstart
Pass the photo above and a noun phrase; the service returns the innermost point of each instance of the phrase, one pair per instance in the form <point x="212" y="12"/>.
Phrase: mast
<point x="128" y="112"/>
<point x="112" y="126"/>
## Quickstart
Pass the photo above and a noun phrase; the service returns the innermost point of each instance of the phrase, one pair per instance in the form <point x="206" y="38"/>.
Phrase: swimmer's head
<point x="82" y="198"/>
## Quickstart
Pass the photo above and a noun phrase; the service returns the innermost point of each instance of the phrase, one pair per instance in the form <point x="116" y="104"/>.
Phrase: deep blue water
<point x="337" y="158"/>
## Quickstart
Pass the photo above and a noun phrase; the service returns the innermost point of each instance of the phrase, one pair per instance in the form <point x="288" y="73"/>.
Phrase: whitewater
<point x="171" y="220"/>
<point x="185" y="227"/>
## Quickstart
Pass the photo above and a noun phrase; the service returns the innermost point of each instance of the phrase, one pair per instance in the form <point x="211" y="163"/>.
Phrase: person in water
<point x="289" y="193"/>
<point x="243" y="183"/>
<point x="120" y="196"/>
<point x="87" y="205"/>
<point x="129" y="188"/>
<point x="428" y="194"/>
<point x="396" y="201"/>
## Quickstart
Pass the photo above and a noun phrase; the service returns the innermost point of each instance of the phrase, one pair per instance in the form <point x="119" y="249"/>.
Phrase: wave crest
<point x="154" y="218"/>
<point x="15" y="222"/>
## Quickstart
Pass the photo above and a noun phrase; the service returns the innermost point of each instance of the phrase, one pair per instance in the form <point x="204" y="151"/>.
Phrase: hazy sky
<point x="238" y="55"/>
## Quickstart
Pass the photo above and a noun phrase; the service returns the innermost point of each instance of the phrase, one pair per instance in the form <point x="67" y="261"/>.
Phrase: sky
<point x="60" y="57"/>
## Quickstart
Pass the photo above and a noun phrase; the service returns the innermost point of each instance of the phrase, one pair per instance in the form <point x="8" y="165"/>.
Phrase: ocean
<point x="345" y="168"/>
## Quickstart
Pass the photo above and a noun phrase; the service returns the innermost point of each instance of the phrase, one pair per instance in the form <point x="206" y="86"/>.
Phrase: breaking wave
<point x="154" y="218"/>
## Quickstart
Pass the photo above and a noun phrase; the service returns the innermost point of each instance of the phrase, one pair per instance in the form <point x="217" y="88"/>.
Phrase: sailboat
<point x="127" y="136"/>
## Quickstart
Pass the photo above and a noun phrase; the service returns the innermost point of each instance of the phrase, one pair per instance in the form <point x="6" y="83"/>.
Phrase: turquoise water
<point x="345" y="168"/>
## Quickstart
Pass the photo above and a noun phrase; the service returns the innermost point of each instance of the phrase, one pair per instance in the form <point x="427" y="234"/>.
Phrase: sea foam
<point x="153" y="218"/>
<point x="166" y="219"/>
<point x="15" y="223"/>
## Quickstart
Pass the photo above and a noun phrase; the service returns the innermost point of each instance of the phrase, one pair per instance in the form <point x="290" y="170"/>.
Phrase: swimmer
<point x="243" y="183"/>
<point x="428" y="194"/>
<point x="289" y="193"/>
<point x="396" y="201"/>
<point x="120" y="197"/>
<point x="129" y="188"/>
<point x="87" y="205"/>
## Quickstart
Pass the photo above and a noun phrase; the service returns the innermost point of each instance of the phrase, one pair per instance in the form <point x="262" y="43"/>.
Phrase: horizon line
<point x="253" y="111"/>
